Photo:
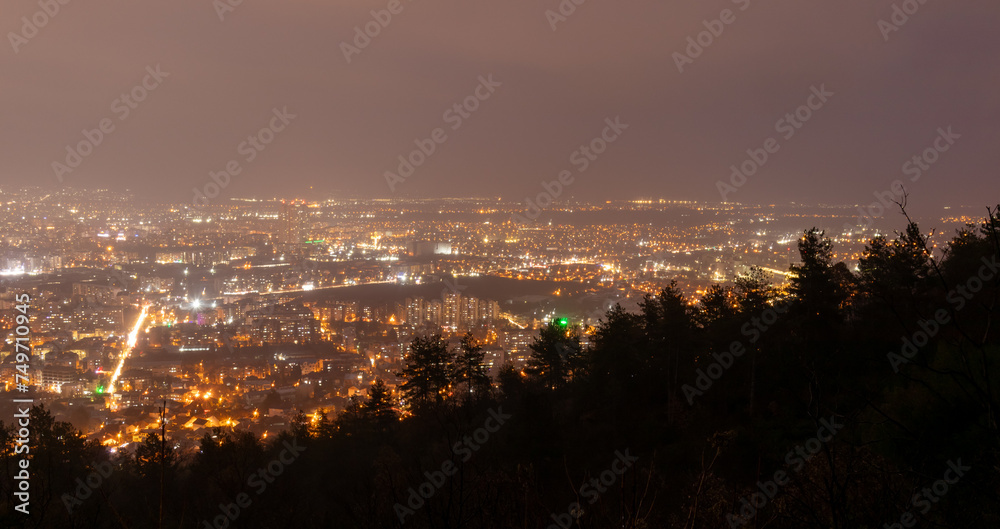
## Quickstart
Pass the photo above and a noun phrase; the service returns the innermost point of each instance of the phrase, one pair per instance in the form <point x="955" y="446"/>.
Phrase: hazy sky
<point x="605" y="60"/>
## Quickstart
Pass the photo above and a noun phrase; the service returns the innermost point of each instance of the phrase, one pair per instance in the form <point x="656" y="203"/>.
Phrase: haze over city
<point x="560" y="80"/>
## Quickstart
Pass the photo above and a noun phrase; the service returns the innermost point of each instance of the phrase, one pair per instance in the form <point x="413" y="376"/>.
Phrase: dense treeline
<point x="848" y="400"/>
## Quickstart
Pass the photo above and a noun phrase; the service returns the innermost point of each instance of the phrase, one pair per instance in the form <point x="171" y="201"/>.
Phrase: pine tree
<point x="147" y="456"/>
<point x="718" y="305"/>
<point x="669" y="322"/>
<point x="754" y="291"/>
<point x="379" y="408"/>
<point x="469" y="367"/>
<point x="555" y="355"/>
<point x="817" y="287"/>
<point x="325" y="427"/>
<point x="427" y="370"/>
<point x="300" y="425"/>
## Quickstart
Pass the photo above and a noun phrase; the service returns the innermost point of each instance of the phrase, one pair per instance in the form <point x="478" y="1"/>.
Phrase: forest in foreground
<point x="850" y="399"/>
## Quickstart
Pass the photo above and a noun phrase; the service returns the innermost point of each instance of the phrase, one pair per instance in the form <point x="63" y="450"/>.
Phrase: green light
<point x="562" y="322"/>
<point x="100" y="390"/>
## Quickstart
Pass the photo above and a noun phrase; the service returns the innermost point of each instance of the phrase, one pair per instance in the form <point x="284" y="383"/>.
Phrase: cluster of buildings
<point x="244" y="312"/>
<point x="453" y="312"/>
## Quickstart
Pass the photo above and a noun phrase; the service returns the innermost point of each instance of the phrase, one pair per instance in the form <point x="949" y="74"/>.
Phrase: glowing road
<point x="133" y="337"/>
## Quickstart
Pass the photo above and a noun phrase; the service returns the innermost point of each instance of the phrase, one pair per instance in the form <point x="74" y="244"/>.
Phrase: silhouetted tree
<point x="380" y="406"/>
<point x="301" y="425"/>
<point x="672" y="332"/>
<point x="510" y="380"/>
<point x="469" y="368"/>
<point x="147" y="456"/>
<point x="718" y="305"/>
<point x="814" y="283"/>
<point x="555" y="355"/>
<point x="754" y="291"/>
<point x="426" y="375"/>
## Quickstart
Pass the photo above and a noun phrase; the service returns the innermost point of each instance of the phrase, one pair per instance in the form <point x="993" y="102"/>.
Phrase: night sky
<point x="556" y="88"/>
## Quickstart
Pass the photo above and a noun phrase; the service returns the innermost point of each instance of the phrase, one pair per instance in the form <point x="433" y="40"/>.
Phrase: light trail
<point x="510" y="318"/>
<point x="775" y="271"/>
<point x="273" y="292"/>
<point x="133" y="337"/>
